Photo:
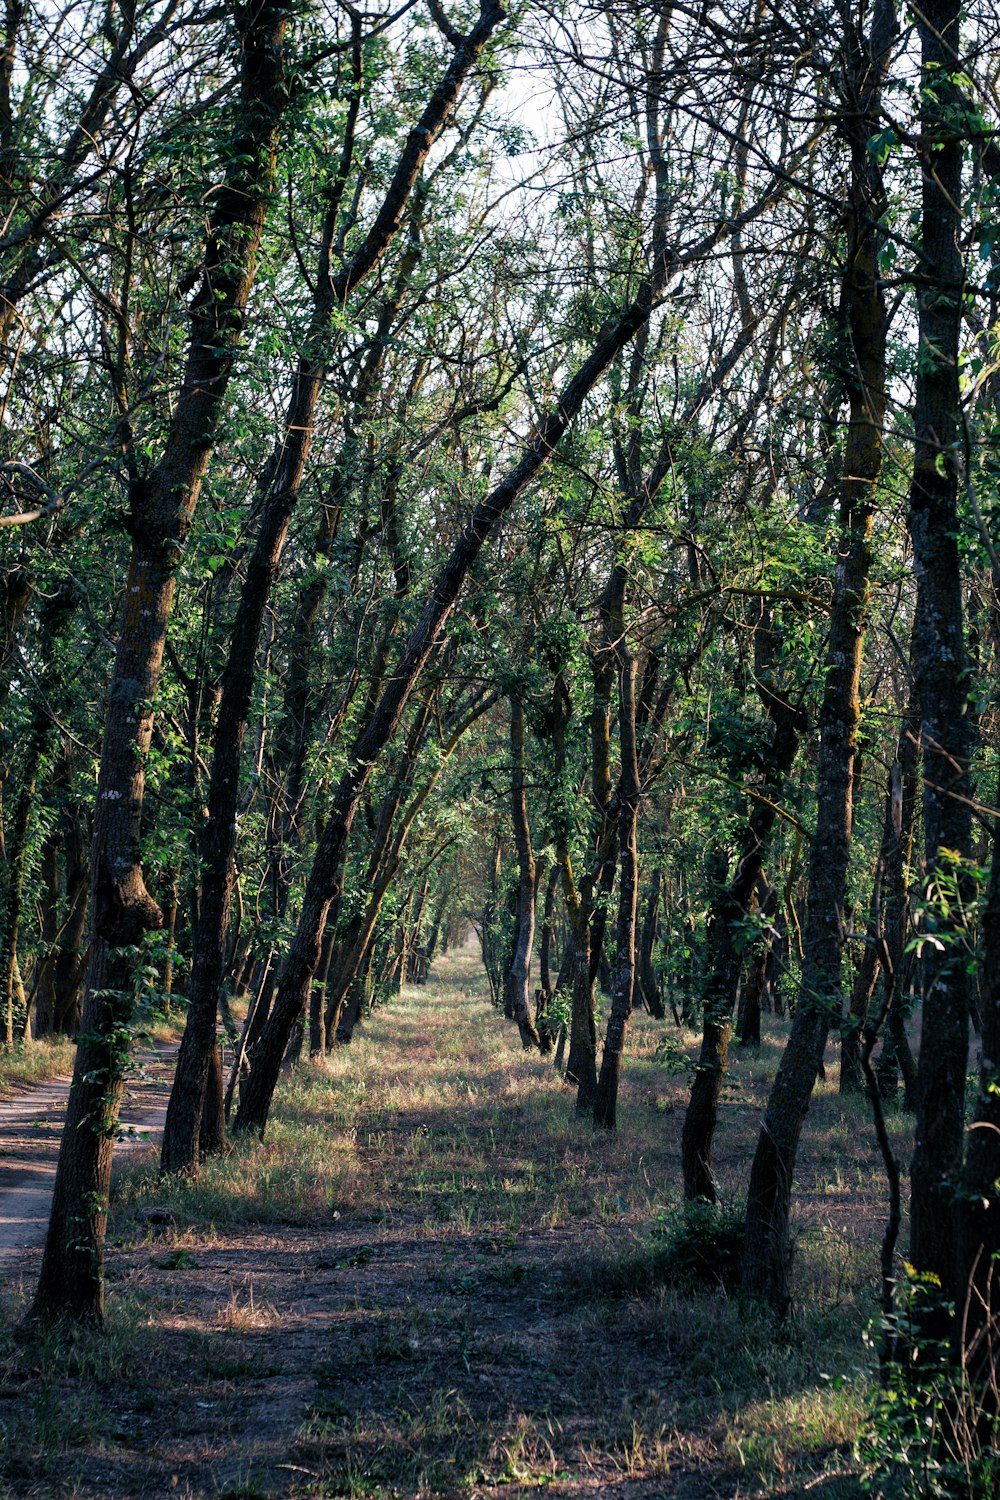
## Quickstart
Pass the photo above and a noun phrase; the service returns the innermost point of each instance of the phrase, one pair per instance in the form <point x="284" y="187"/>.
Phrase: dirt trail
<point x="30" y="1129"/>
<point x="428" y="1281"/>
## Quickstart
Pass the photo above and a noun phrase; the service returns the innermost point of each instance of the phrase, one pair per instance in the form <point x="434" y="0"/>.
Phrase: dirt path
<point x="30" y="1128"/>
<point x="431" y="1282"/>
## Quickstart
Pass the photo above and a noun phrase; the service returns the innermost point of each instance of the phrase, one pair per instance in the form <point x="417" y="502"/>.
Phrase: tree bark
<point x="162" y="503"/>
<point x="517" y="981"/>
<point x="940" y="660"/>
<point x="767" y="1253"/>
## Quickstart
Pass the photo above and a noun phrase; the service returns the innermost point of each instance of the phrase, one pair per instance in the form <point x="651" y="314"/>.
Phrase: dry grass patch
<point x="33" y="1062"/>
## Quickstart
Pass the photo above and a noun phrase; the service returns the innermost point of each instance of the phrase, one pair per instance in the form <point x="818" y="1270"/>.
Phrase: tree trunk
<point x="623" y="973"/>
<point x="317" y="995"/>
<point x="767" y="1253"/>
<point x="379" y="728"/>
<point x="729" y="909"/>
<point x="940" y="661"/>
<point x="517" y="981"/>
<point x="162" y="504"/>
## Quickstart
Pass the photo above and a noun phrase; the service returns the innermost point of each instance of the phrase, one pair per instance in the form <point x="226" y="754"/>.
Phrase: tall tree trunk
<point x="162" y="504"/>
<point x="767" y="1255"/>
<point x="281" y="488"/>
<point x="940" y="661"/>
<point x="623" y="972"/>
<point x="517" y="981"/>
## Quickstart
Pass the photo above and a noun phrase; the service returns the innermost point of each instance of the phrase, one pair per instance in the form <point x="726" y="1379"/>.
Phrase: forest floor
<point x="432" y="1280"/>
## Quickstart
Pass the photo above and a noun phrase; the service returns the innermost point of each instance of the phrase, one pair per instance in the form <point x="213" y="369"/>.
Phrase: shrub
<point x="933" y="1429"/>
<point x="701" y="1245"/>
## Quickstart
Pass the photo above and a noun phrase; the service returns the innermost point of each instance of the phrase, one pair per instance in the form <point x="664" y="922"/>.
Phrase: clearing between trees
<point x="432" y="1280"/>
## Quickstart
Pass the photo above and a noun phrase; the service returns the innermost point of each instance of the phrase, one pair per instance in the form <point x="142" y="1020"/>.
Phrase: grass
<point x="471" y="1292"/>
<point x="33" y="1062"/>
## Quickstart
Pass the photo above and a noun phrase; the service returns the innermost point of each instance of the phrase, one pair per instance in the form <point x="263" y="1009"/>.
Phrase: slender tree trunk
<point x="646" y="972"/>
<point x="162" y="504"/>
<point x="623" y="973"/>
<point x="317" y="995"/>
<point x="517" y="981"/>
<point x="281" y="488"/>
<point x="767" y="1254"/>
<point x="940" y="661"/>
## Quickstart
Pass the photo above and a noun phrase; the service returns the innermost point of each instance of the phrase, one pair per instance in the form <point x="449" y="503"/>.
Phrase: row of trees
<point x="535" y="469"/>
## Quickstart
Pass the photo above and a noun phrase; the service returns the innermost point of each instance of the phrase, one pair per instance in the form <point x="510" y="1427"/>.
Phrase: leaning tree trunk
<point x="728" y="911"/>
<point x="162" y="505"/>
<point x="281" y="488"/>
<point x="767" y="1253"/>
<point x="381" y="725"/>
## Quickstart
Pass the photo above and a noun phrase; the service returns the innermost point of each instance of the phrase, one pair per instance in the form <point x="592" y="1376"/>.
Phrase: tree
<point x="162" y="501"/>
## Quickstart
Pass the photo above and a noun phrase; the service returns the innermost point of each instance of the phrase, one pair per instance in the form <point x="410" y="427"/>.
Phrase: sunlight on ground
<point x="437" y="1281"/>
